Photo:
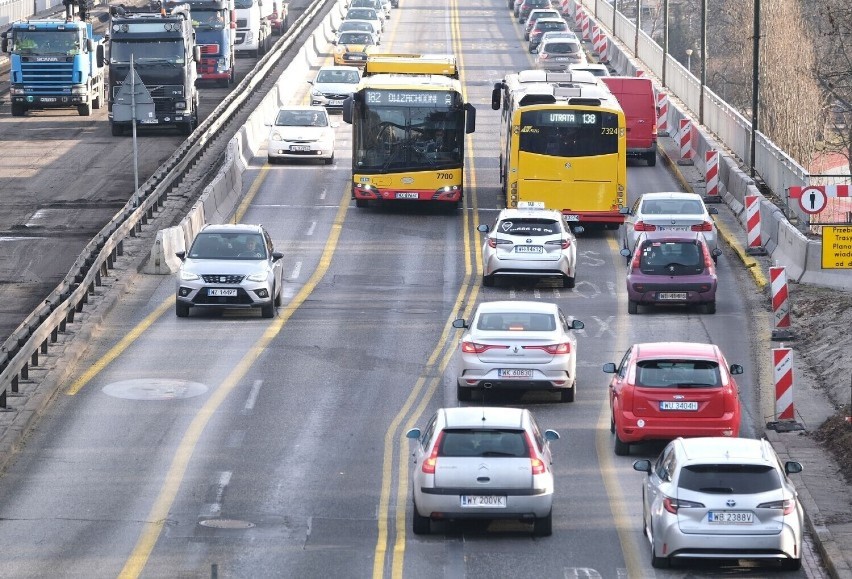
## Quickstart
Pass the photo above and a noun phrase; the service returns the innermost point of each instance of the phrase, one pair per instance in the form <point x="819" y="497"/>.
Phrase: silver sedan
<point x="482" y="463"/>
<point x="530" y="242"/>
<point x="518" y="345"/>
<point x="669" y="211"/>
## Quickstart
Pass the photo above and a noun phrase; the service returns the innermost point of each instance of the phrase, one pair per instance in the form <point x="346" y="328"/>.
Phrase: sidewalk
<point x="822" y="490"/>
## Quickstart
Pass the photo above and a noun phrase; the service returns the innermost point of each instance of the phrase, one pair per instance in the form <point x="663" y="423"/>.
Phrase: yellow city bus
<point x="409" y="120"/>
<point x="562" y="142"/>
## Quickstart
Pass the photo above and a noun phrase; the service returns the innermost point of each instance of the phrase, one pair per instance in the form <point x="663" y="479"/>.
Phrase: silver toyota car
<point x="721" y="498"/>
<point x="230" y="266"/>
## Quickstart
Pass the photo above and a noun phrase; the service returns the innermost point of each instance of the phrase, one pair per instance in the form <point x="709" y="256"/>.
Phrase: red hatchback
<point x="663" y="390"/>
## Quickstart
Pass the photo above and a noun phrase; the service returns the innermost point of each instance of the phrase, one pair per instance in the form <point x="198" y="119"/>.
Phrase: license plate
<point x="572" y="218"/>
<point x="300" y="148"/>
<point x="48" y="99"/>
<point x="731" y="517"/>
<point x="411" y="195"/>
<point x="529" y="249"/>
<point x="335" y="102"/>
<point x="483" y="501"/>
<point x="514" y="373"/>
<point x="671" y="296"/>
<point x="673" y="228"/>
<point x="149" y="121"/>
<point x="221" y="293"/>
<point x="355" y="58"/>
<point x="668" y="405"/>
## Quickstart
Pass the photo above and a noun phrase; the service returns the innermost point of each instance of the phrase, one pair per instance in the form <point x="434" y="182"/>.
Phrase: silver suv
<point x="230" y="266"/>
<point x="721" y="498"/>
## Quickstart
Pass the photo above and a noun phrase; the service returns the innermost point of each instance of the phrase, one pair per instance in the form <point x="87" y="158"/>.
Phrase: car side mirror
<point x="483" y="228"/>
<point x="736" y="369"/>
<point x="625" y="252"/>
<point x="460" y="323"/>
<point x="414" y="434"/>
<point x="551" y="435"/>
<point x="792" y="467"/>
<point x="712" y="211"/>
<point x="609" y="368"/>
<point x="643" y="465"/>
<point x="716" y="252"/>
<point x="310" y="82"/>
<point x="276" y="255"/>
<point x="181" y="255"/>
<point x="577" y="325"/>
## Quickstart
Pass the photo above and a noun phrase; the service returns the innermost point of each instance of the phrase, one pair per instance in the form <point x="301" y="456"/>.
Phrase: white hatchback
<point x="301" y="132"/>
<point x="482" y="463"/>
<point x="518" y="346"/>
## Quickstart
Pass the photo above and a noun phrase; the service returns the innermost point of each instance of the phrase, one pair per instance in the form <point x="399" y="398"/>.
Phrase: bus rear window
<point x="569" y="133"/>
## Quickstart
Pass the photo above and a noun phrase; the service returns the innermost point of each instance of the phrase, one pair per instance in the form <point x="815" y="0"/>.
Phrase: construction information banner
<point x="836" y="247"/>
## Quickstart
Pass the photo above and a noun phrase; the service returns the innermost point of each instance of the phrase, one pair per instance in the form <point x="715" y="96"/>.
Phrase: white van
<point x="254" y="29"/>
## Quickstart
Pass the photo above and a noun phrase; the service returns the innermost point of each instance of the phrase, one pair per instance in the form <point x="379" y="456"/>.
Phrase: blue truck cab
<point x="215" y="24"/>
<point x="55" y="64"/>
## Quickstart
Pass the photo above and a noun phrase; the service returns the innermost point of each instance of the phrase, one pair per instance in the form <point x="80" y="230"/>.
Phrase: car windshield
<point x="678" y="374"/>
<point x="561" y="48"/>
<point x="301" y="119"/>
<point x="516" y="322"/>
<point x="353" y="26"/>
<point x="355" y="38"/>
<point x="338" y="76"/>
<point x="672" y="207"/>
<point x="483" y="442"/>
<point x="736" y="479"/>
<point x="361" y="14"/>
<point x="528" y="227"/>
<point x="671" y="257"/>
<point x="228" y="246"/>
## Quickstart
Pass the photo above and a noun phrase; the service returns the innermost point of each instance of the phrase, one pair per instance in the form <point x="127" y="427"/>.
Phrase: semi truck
<point x="161" y="46"/>
<point x="215" y="24"/>
<point x="55" y="63"/>
<point x="254" y="29"/>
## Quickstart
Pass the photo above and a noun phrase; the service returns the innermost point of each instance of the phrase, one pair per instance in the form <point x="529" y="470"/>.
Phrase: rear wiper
<point x="717" y="490"/>
<point x="693" y="385"/>
<point x="498" y="453"/>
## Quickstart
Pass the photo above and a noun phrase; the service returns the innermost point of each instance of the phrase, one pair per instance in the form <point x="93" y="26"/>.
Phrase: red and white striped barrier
<point x="640" y="72"/>
<point x="596" y="34"/>
<point x="782" y="359"/>
<point x="826" y="190"/>
<point x="586" y="26"/>
<point x="780" y="303"/>
<point x="754" y="245"/>
<point x="711" y="176"/>
<point x="603" y="48"/>
<point x="684" y="137"/>
<point x="662" y="114"/>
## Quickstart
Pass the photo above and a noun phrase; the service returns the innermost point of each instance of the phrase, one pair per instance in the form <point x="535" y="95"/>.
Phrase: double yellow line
<point x="395" y="444"/>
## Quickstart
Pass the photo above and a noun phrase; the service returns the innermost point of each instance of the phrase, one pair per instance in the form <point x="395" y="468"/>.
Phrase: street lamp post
<point x="689" y="60"/>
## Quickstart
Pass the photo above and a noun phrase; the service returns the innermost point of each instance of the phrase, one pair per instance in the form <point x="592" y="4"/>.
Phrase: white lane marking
<point x="311" y="228"/>
<point x="252" y="397"/>
<point x="323" y="194"/>
<point x="214" y="509"/>
<point x="296" y="270"/>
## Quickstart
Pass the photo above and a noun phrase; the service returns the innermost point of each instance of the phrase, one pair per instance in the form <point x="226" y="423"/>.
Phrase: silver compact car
<point x="721" y="498"/>
<point x="482" y="463"/>
<point x="230" y="266"/>
<point x="332" y="85"/>
<point x="301" y="132"/>
<point x="669" y="211"/>
<point x="531" y="242"/>
<point x="518" y="345"/>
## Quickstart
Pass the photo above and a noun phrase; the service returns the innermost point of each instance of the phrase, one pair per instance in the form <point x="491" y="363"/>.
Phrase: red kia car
<point x="662" y="390"/>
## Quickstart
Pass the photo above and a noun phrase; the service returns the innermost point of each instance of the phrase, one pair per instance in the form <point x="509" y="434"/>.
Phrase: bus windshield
<point x="394" y="138"/>
<point x="568" y="133"/>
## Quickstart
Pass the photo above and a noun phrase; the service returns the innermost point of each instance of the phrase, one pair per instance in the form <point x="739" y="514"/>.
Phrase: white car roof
<point x="318" y="109"/>
<point x="544" y="11"/>
<point x="723" y="450"/>
<point x="514" y="213"/>
<point x="535" y="307"/>
<point x="495" y="417"/>
<point x="670" y="195"/>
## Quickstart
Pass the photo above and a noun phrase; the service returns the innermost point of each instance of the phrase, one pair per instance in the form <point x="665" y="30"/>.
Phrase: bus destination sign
<point x="409" y="98"/>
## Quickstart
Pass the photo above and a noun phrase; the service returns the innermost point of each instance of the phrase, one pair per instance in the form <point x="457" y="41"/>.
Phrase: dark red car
<point x="663" y="390"/>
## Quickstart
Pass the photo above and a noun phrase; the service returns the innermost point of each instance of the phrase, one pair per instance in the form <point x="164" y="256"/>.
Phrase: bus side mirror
<point x="4" y="45"/>
<point x="90" y="45"/>
<point x="348" y="103"/>
<point x="99" y="56"/>
<point x="470" y="118"/>
<point x="196" y="53"/>
<point x="495" y="96"/>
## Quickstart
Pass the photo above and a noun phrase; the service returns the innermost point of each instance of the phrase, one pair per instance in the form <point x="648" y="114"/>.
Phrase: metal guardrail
<point x="41" y="327"/>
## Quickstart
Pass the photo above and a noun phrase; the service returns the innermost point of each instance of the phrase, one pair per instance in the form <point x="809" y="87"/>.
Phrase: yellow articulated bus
<point x="563" y="142"/>
<point x="409" y="120"/>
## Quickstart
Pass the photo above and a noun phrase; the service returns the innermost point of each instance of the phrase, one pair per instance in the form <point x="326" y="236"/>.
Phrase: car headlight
<point x="259" y="276"/>
<point x="275" y="136"/>
<point x="180" y="105"/>
<point x="78" y="90"/>
<point x="188" y="276"/>
<point x="316" y="92"/>
<point x="340" y="49"/>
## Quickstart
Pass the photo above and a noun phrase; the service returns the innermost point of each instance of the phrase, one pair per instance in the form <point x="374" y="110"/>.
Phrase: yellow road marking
<point x="159" y="512"/>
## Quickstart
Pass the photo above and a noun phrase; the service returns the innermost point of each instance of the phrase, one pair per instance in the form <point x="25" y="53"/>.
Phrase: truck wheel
<point x="117" y="130"/>
<point x="18" y="110"/>
<point x="84" y="110"/>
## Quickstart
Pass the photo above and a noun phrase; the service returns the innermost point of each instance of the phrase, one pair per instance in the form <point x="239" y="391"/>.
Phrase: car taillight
<point x="542" y="56"/>
<point x="642" y="226"/>
<point x="563" y="243"/>
<point x="429" y="464"/>
<point x="637" y="260"/>
<point x="564" y="348"/>
<point x="537" y="465"/>
<point x="492" y="243"/>
<point x="787" y="506"/>
<point x="474" y="348"/>
<point x="672" y="505"/>
<point x="706" y="226"/>
<point x="708" y="260"/>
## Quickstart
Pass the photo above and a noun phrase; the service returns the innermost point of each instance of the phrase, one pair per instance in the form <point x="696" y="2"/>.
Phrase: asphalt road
<point x="272" y="448"/>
